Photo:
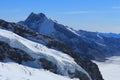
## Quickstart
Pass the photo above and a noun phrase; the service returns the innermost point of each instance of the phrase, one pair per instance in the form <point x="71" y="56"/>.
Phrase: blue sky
<point x="91" y="15"/>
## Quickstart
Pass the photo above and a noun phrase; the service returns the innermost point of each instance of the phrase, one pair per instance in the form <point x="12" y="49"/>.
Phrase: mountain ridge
<point x="96" y="45"/>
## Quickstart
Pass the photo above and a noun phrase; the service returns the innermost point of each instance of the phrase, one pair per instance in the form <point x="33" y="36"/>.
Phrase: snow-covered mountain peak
<point x="40" y="23"/>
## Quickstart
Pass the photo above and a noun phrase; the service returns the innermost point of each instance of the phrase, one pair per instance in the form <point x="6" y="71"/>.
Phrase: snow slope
<point x="14" y="71"/>
<point x="110" y="69"/>
<point x="46" y="24"/>
<point x="64" y="62"/>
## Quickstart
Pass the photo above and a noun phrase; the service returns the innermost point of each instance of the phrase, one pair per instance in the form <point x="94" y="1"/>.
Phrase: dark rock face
<point x="53" y="68"/>
<point x="80" y="75"/>
<point x="48" y="65"/>
<point x="91" y="68"/>
<point x="86" y="64"/>
<point x="35" y="18"/>
<point x="2" y="55"/>
<point x="15" y="54"/>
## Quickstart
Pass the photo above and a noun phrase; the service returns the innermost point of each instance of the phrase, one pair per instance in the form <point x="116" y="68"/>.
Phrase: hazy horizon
<point x="90" y="15"/>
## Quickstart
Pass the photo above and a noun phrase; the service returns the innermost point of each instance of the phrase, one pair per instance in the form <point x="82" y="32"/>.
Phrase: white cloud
<point x="86" y="12"/>
<point x="75" y="12"/>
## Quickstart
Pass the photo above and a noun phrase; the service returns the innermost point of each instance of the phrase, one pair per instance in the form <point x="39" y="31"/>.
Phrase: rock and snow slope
<point x="63" y="63"/>
<point x="20" y="56"/>
<point x="92" y="45"/>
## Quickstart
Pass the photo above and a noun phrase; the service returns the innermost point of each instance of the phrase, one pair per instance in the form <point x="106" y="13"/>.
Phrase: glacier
<point x="64" y="62"/>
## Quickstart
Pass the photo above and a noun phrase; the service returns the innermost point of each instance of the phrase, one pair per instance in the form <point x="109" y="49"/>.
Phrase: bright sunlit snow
<point x="14" y="71"/>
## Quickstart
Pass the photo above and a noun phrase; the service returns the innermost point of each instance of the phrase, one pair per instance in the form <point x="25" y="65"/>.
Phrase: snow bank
<point x="14" y="71"/>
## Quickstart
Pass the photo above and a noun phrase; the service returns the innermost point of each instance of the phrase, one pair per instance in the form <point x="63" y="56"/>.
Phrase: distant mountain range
<point x="92" y="45"/>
